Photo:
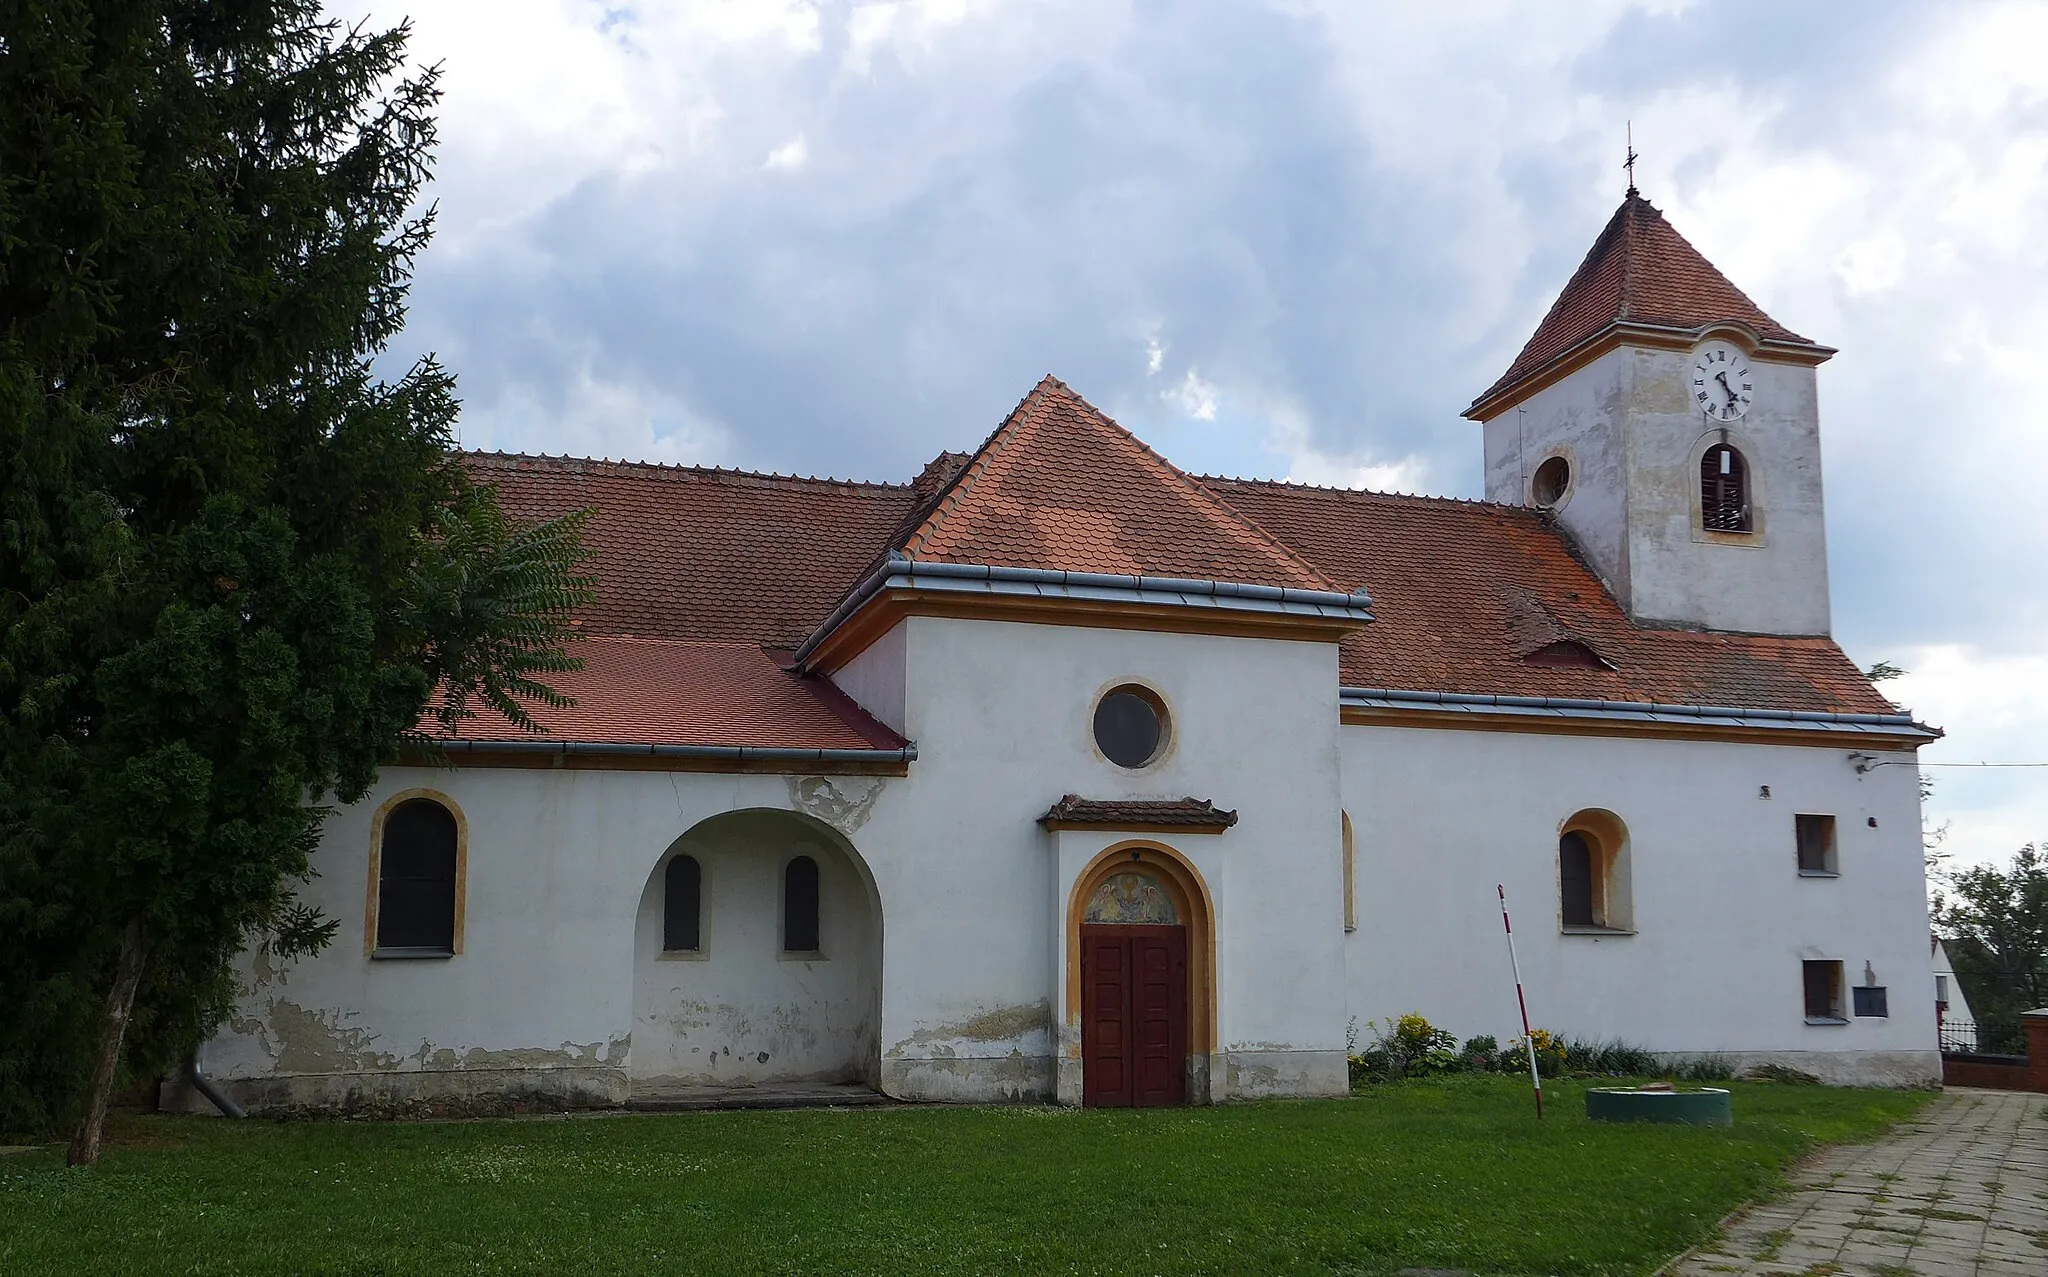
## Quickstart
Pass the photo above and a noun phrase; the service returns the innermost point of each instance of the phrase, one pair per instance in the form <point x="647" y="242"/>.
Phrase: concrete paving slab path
<point x="1959" y="1190"/>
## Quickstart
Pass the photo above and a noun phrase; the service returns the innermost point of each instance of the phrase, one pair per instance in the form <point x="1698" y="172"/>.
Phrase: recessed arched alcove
<point x="743" y="1007"/>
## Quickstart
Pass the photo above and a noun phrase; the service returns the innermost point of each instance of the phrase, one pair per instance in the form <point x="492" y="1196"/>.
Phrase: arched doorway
<point x="1142" y="945"/>
<point x="757" y="958"/>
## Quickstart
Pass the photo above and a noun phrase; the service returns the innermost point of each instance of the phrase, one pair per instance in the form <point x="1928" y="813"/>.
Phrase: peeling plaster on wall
<point x="762" y="1035"/>
<point x="845" y="804"/>
<point x="264" y="970"/>
<point x="568" y="1055"/>
<point x="302" y="1041"/>
<point x="1015" y="1077"/>
<point x="1252" y="1075"/>
<point x="1000" y="1024"/>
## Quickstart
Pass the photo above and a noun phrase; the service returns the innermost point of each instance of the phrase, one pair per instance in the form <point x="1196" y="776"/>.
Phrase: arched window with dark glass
<point x="682" y="905"/>
<point x="1724" y="490"/>
<point x="800" y="906"/>
<point x="416" y="879"/>
<point x="1575" y="879"/>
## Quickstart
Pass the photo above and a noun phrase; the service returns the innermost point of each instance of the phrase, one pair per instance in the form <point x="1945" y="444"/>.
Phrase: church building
<point x="1058" y="774"/>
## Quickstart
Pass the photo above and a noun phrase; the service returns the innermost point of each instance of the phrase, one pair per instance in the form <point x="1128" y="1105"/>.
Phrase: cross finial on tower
<point x="1630" y="162"/>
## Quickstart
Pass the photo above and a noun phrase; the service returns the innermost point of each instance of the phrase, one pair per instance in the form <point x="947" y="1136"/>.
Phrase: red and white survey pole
<point x="1528" y="1038"/>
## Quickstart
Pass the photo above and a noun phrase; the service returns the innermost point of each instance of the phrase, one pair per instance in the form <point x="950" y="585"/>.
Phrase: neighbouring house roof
<point x="1640" y="271"/>
<point x="1190" y="815"/>
<point x="689" y="692"/>
<point x="716" y="575"/>
<point x="1464" y="592"/>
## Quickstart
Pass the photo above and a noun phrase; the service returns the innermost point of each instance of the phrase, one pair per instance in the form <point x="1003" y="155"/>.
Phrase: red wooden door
<point x="1134" y="1015"/>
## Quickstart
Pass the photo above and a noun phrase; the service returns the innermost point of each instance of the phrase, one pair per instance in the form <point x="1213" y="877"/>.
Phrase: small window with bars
<point x="1724" y="490"/>
<point x="1870" y="1000"/>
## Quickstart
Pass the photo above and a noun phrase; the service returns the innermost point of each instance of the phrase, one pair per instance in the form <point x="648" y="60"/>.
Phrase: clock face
<point x="1721" y="383"/>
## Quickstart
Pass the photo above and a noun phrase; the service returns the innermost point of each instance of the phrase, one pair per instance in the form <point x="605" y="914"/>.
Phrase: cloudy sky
<point x="1289" y="238"/>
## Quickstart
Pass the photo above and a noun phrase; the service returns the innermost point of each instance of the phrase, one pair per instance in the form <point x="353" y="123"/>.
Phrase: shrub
<point x="1780" y="1073"/>
<point x="1701" y="1068"/>
<point x="1608" y="1059"/>
<point x="1407" y="1046"/>
<point x="1481" y="1054"/>
<point x="1549" y="1054"/>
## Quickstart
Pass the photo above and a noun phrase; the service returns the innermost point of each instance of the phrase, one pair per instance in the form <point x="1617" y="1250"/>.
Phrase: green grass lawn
<point x="1452" y="1174"/>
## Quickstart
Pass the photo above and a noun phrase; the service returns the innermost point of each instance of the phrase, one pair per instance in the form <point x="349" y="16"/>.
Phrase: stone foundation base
<point x="412" y="1093"/>
<point x="961" y="1079"/>
<point x="1906" y="1070"/>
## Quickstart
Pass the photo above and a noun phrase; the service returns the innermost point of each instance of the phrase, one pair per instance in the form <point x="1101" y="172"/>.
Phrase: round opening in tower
<point x="1552" y="480"/>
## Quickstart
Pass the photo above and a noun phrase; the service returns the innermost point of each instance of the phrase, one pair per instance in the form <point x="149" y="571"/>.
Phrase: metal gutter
<point x="1636" y="711"/>
<point x="902" y="572"/>
<point x="735" y="753"/>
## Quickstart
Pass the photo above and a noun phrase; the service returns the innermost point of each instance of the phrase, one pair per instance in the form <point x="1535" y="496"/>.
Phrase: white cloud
<point x="790" y="155"/>
<point x="1348" y="217"/>
<point x="1992" y="706"/>
<point x="1193" y="396"/>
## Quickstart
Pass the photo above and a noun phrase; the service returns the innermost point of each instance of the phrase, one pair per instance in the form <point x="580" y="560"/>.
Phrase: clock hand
<point x="1726" y="389"/>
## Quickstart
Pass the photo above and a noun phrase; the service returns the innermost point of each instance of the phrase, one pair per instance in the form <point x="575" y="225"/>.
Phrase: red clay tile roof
<point x="680" y="692"/>
<point x="706" y="568"/>
<point x="1074" y="811"/>
<point x="1465" y="591"/>
<point x="715" y="565"/>
<point x="690" y="553"/>
<point x="1060" y="486"/>
<point x="1640" y="270"/>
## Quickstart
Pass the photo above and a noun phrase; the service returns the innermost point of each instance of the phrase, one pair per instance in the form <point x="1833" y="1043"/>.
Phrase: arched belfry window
<point x="417" y="875"/>
<point x="682" y="905"/>
<point x="800" y="906"/>
<point x="1724" y="490"/>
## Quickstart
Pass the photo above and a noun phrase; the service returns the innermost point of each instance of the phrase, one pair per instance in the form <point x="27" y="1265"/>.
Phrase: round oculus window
<point x="1130" y="726"/>
<point x="1551" y="481"/>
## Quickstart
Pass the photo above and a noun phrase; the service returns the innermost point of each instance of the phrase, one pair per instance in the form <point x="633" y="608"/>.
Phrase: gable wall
<point x="1002" y="714"/>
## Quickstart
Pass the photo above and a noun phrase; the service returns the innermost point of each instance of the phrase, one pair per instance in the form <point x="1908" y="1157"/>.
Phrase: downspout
<point x="204" y="1085"/>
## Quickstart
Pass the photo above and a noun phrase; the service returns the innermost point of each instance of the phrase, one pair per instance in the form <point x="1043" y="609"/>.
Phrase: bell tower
<point x="1673" y="428"/>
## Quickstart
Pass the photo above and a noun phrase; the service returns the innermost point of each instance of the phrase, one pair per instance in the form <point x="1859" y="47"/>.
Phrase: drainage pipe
<point x="204" y="1085"/>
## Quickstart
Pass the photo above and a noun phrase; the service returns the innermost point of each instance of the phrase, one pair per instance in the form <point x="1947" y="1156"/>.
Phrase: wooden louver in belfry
<point x="1724" y="490"/>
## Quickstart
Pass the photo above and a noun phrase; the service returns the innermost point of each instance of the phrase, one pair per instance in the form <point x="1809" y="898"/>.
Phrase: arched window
<point x="1575" y="879"/>
<point x="417" y="875"/>
<point x="1724" y="490"/>
<point x="682" y="903"/>
<point x="1593" y="874"/>
<point x="800" y="906"/>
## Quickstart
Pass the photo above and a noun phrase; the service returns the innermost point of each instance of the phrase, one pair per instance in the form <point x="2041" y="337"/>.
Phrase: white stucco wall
<point x="560" y="884"/>
<point x="1002" y="714"/>
<point x="542" y="995"/>
<point x="1722" y="917"/>
<point x="739" y="1009"/>
<point x="875" y="678"/>
<point x="1626" y="423"/>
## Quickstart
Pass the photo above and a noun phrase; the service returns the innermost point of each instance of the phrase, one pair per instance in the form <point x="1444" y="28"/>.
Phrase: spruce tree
<point x="238" y="561"/>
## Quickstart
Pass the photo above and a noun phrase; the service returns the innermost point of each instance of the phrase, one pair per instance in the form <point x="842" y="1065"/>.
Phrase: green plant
<point x="1457" y="1172"/>
<point x="1550" y="1054"/>
<point x="1405" y="1046"/>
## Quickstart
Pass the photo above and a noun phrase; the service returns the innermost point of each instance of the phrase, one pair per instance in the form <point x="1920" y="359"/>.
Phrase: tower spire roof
<point x="1641" y="274"/>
